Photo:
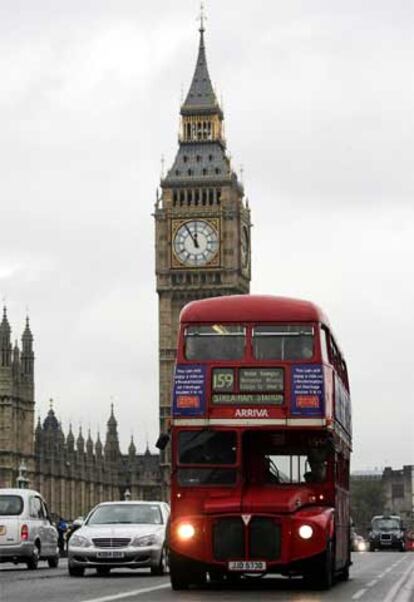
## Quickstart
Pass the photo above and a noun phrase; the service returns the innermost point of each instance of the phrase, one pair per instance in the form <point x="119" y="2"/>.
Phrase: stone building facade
<point x="398" y="486"/>
<point x="202" y="224"/>
<point x="73" y="475"/>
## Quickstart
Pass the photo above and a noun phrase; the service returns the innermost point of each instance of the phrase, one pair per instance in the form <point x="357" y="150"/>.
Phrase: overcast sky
<point x="318" y="99"/>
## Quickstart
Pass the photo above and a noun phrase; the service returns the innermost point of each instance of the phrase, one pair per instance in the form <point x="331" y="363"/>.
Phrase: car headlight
<point x="79" y="541"/>
<point x="145" y="540"/>
<point x="185" y="531"/>
<point x="305" y="531"/>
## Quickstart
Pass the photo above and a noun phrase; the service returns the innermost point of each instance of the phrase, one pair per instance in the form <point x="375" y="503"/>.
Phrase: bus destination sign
<point x="261" y="380"/>
<point x="254" y="386"/>
<point x="248" y="398"/>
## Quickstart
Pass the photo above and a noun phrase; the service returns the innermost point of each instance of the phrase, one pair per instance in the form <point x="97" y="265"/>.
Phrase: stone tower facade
<point x="202" y="223"/>
<point x="16" y="404"/>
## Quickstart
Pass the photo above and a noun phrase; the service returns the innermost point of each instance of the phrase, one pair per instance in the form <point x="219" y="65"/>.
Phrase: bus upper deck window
<point x="215" y="342"/>
<point x="283" y="342"/>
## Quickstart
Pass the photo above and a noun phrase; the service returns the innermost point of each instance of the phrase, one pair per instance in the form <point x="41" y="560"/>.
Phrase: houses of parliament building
<point x="72" y="473"/>
<point x="201" y="201"/>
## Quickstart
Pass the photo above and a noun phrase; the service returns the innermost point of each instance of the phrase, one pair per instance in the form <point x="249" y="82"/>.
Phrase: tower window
<point x="198" y="158"/>
<point x="190" y="172"/>
<point x="177" y="172"/>
<point x="185" y="158"/>
<point x="210" y="157"/>
<point x="217" y="170"/>
<point x="204" y="171"/>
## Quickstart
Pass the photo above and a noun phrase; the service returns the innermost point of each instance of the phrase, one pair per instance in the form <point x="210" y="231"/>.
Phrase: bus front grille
<point x="264" y="538"/>
<point x="228" y="538"/>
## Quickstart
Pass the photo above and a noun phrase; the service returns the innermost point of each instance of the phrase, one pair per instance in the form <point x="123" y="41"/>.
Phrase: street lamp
<point x="22" y="480"/>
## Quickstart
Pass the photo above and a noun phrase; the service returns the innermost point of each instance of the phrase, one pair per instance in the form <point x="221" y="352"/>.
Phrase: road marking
<point x="397" y="592"/>
<point x="135" y="592"/>
<point x="408" y="593"/>
<point x="372" y="583"/>
<point x="359" y="594"/>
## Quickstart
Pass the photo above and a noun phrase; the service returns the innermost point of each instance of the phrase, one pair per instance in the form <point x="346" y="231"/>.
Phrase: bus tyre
<point x="322" y="577"/>
<point x="179" y="574"/>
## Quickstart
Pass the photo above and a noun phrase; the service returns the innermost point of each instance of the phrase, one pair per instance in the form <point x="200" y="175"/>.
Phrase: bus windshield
<point x="281" y="459"/>
<point x="283" y="342"/>
<point x="200" y="448"/>
<point x="215" y="342"/>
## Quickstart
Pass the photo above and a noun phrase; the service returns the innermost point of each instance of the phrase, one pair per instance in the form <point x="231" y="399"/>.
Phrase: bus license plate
<point x="247" y="565"/>
<point x="110" y="554"/>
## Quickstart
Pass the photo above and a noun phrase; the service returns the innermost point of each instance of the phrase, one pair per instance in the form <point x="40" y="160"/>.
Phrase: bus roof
<point x="252" y="308"/>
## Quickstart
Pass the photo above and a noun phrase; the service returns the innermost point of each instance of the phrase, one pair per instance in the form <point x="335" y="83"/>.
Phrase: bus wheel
<point x="322" y="576"/>
<point x="180" y="573"/>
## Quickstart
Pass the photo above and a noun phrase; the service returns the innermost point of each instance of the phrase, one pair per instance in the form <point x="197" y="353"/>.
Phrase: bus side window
<point x="324" y="345"/>
<point x="334" y="355"/>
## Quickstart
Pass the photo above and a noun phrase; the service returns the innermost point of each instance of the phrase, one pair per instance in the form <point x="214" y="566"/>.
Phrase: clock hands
<point x="193" y="236"/>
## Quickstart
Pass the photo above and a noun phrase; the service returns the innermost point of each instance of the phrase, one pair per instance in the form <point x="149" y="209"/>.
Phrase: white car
<point x="121" y="535"/>
<point x="26" y="531"/>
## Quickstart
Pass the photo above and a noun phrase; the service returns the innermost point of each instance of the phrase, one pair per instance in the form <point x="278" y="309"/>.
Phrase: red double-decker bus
<point x="261" y="442"/>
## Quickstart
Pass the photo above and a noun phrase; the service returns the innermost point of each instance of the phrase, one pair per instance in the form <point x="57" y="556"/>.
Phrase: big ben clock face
<point x="196" y="243"/>
<point x="244" y="247"/>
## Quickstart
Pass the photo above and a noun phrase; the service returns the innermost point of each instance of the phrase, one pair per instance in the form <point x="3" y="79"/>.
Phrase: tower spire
<point x="201" y="95"/>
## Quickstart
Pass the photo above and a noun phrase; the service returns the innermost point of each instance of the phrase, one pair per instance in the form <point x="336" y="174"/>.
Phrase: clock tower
<point x="202" y="223"/>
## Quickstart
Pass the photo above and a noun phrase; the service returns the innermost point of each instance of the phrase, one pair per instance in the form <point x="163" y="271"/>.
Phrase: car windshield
<point x="385" y="524"/>
<point x="11" y="505"/>
<point x="126" y="514"/>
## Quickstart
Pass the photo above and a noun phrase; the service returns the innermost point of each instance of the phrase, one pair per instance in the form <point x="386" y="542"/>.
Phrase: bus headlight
<point x="305" y="531"/>
<point x="185" y="531"/>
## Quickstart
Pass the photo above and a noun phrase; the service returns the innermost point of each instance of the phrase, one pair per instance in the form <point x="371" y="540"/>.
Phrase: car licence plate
<point x="110" y="554"/>
<point x="2" y="530"/>
<point x="249" y="566"/>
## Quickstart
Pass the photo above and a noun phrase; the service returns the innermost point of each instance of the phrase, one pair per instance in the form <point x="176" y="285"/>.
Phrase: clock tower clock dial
<point x="196" y="243"/>
<point x="244" y="247"/>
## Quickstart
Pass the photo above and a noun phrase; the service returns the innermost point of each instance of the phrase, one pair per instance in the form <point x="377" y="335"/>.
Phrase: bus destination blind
<point x="255" y="386"/>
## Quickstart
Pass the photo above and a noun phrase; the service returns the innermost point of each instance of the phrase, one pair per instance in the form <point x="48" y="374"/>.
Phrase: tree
<point x="367" y="499"/>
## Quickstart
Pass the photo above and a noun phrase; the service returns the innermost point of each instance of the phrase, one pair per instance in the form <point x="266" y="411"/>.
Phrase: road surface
<point x="375" y="577"/>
